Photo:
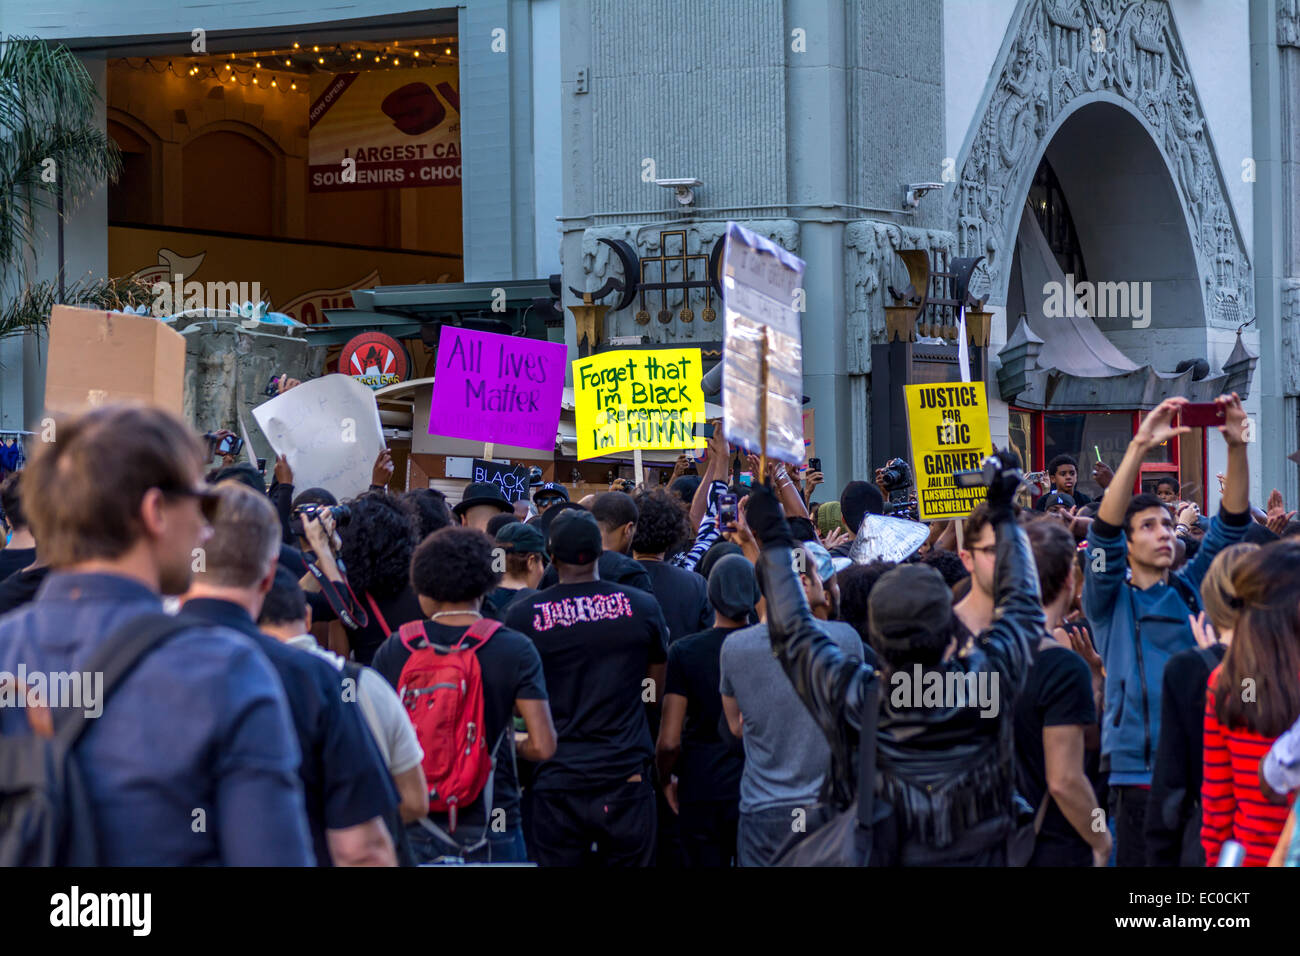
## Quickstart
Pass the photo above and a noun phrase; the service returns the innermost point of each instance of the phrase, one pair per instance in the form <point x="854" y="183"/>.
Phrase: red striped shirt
<point x="1232" y="806"/>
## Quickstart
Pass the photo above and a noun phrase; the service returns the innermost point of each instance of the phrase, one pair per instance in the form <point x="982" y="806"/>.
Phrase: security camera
<point x="914" y="191"/>
<point x="685" y="194"/>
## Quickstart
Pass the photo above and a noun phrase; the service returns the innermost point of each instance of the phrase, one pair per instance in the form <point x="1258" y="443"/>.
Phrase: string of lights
<point x="263" y="69"/>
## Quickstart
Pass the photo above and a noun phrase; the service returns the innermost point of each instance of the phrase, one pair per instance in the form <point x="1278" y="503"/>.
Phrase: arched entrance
<point x="1132" y="231"/>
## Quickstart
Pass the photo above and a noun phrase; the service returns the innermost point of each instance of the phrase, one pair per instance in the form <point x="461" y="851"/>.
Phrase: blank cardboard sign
<point x="97" y="357"/>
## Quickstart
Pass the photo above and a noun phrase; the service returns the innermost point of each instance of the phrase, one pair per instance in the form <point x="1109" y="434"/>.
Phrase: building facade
<point x="1143" y="150"/>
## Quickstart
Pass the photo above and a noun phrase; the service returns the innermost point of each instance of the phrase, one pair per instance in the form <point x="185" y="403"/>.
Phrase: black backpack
<point x="45" y="814"/>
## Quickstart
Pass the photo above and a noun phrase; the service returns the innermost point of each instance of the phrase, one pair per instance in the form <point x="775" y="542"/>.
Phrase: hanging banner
<point x="384" y="129"/>
<point x="762" y="288"/>
<point x="635" y="398"/>
<point x="949" y="427"/>
<point x="505" y="389"/>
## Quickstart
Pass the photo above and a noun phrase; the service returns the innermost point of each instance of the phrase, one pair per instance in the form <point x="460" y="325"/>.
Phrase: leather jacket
<point x="945" y="769"/>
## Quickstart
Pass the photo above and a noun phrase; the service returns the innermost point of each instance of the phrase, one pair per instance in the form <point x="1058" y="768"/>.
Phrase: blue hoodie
<point x="1136" y="632"/>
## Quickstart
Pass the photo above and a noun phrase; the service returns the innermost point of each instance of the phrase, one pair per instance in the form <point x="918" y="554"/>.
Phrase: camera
<point x="985" y="475"/>
<point x="896" y="475"/>
<point x="342" y="514"/>
<point x="224" y="444"/>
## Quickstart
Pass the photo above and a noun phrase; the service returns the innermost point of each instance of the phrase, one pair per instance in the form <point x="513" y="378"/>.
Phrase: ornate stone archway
<point x="1059" y="56"/>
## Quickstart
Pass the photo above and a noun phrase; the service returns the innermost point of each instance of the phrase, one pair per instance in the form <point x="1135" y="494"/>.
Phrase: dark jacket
<point x="921" y="751"/>
<point x="1173" y="823"/>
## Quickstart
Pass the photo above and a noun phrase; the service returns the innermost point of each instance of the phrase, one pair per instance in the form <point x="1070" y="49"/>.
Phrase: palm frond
<point x="29" y="310"/>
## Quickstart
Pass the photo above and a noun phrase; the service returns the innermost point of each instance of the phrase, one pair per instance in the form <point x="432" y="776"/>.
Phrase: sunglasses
<point x="208" y="499"/>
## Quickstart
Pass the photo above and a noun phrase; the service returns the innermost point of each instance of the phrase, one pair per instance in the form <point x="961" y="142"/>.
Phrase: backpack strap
<point x="118" y="655"/>
<point x="379" y="615"/>
<point x="411" y="630"/>
<point x="867" y="756"/>
<point x="480" y="630"/>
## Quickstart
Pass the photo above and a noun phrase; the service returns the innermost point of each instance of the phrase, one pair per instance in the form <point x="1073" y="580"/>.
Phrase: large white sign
<point x="329" y="430"/>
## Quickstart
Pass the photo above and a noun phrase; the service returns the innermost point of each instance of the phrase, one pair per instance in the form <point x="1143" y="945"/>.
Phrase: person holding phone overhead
<point x="1139" y="608"/>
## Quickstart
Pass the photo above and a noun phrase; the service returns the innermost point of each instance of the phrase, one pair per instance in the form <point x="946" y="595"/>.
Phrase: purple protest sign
<point x="497" y="388"/>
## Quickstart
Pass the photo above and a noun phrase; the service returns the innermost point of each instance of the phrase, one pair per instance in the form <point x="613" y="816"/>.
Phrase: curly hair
<point x="454" y="564"/>
<point x="949" y="565"/>
<point x="856" y="583"/>
<point x="428" y="510"/>
<point x="661" y="522"/>
<point x="377" y="545"/>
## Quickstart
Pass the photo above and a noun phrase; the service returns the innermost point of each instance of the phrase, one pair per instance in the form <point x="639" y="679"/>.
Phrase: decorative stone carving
<point x="869" y="266"/>
<point x="1067" y="49"/>
<point x="1288" y="22"/>
<point x="599" y="263"/>
<point x="1290" y="331"/>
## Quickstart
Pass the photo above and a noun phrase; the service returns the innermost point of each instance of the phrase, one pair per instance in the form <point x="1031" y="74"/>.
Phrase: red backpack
<point x="442" y="690"/>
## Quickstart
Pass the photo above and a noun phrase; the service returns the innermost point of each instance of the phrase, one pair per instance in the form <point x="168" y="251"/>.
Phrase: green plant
<point x="50" y="139"/>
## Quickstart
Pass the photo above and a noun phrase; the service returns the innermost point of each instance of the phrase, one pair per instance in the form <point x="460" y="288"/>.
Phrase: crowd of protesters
<point x="648" y="679"/>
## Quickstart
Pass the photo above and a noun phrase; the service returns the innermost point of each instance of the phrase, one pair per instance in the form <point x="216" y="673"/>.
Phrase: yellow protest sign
<point x="638" y="399"/>
<point x="949" y="426"/>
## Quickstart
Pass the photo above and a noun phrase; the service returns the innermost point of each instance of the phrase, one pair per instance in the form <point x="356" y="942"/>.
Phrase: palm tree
<point x="53" y="154"/>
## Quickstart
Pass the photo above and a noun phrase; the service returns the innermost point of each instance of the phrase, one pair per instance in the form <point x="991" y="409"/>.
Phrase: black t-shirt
<point x="511" y="671"/>
<point x="708" y="769"/>
<point x="13" y="560"/>
<point x="683" y="596"/>
<point x="20" y="588"/>
<point x="596" y="640"/>
<point x="396" y="610"/>
<point x="1058" y="692"/>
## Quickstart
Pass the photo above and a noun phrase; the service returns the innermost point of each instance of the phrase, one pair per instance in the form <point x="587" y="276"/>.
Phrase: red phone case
<point x="1202" y="415"/>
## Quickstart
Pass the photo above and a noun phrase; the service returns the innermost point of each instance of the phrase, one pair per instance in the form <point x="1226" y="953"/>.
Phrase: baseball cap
<point x="551" y="489"/>
<point x="574" y="537"/>
<point x="1054" y="498"/>
<point x="520" y="538"/>
<point x="827" y="566"/>
<point x="920" y="603"/>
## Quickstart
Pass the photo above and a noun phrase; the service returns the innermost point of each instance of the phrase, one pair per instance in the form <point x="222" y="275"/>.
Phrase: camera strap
<point x="348" y="608"/>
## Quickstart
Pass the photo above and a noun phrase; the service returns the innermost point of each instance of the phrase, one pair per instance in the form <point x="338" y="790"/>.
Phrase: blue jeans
<point x="760" y="834"/>
<point x="504" y="847"/>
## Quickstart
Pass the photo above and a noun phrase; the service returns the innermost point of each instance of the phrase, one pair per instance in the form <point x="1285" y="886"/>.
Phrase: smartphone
<point x="726" y="511"/>
<point x="230" y="445"/>
<point x="814" y="464"/>
<point x="272" y="387"/>
<point x="1201" y="415"/>
<point x="704" y="429"/>
<point x="261" y="464"/>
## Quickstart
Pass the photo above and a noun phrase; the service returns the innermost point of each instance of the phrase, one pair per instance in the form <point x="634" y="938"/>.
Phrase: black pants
<point x="1128" y="811"/>
<point x="619" y="819"/>
<point x="708" y="831"/>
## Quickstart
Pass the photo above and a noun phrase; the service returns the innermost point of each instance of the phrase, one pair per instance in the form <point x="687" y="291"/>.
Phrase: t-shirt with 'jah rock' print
<point x="597" y="640"/>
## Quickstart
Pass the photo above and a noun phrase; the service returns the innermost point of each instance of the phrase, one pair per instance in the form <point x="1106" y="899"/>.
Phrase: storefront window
<point x="1020" y="435"/>
<point x="1085" y="437"/>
